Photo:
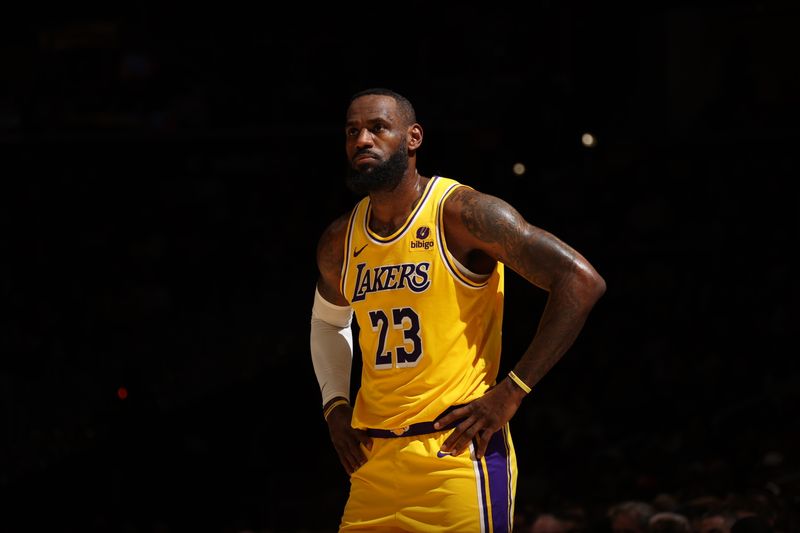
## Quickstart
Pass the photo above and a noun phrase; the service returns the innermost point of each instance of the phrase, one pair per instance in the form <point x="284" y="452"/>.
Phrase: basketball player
<point x="420" y="263"/>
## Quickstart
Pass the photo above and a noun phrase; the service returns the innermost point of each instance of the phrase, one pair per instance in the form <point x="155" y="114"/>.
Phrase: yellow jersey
<point x="430" y="336"/>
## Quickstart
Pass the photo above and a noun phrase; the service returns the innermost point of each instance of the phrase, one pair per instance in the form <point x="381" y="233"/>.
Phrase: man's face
<point x="376" y="144"/>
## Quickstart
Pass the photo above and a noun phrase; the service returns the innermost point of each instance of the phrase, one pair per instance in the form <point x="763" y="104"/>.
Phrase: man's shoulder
<point x="338" y="226"/>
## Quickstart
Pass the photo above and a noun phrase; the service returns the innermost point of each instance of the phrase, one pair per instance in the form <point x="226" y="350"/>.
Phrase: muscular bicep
<point x="481" y="222"/>
<point x="330" y="257"/>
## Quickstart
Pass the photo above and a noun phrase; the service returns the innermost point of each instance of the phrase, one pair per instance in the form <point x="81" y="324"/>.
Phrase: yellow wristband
<point x="519" y="382"/>
<point x="333" y="406"/>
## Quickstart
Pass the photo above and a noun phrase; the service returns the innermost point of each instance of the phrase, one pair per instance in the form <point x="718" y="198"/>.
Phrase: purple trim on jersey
<point x="498" y="467"/>
<point x="381" y="240"/>
<point x="347" y="244"/>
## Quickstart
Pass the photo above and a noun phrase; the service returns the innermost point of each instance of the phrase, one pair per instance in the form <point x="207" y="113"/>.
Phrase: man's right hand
<point x="346" y="439"/>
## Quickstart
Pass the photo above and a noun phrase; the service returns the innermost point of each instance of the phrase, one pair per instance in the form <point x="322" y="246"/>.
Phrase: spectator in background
<point x="696" y="508"/>
<point x="669" y="522"/>
<point x="717" y="521"/>
<point x="760" y="502"/>
<point x="630" y="516"/>
<point x="567" y="520"/>
<point x="548" y="523"/>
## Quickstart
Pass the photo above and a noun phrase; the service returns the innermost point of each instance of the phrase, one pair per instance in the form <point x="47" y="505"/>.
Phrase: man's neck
<point x="389" y="210"/>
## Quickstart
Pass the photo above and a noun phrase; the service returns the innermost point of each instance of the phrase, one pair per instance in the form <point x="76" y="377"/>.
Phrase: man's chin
<point x="368" y="175"/>
<point x="365" y="168"/>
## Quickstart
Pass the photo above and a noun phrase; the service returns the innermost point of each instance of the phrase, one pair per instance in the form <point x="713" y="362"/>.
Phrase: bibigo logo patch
<point x="423" y="241"/>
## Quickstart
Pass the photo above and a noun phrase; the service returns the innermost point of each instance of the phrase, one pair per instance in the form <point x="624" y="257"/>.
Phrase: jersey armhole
<point x="459" y="271"/>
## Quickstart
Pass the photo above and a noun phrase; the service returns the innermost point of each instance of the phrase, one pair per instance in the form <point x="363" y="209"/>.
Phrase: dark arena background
<point x="168" y="168"/>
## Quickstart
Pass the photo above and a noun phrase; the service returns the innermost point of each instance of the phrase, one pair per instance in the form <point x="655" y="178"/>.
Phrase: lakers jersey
<point x="430" y="336"/>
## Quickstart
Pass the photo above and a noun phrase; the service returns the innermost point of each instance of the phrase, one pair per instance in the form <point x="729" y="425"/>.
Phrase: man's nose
<point x="364" y="138"/>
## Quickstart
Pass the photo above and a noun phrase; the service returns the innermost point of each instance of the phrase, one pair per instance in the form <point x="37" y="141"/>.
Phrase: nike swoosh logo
<point x="441" y="454"/>
<point x="356" y="252"/>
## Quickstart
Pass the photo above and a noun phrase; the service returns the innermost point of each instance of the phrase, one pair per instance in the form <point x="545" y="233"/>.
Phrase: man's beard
<point x="382" y="178"/>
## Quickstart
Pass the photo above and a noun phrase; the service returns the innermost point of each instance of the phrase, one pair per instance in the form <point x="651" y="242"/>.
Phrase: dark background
<point x="167" y="169"/>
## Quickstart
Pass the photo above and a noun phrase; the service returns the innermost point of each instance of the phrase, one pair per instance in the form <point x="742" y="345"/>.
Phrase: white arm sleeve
<point x="331" y="347"/>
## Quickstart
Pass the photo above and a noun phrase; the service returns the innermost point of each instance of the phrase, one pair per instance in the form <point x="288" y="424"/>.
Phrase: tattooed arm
<point x="482" y="229"/>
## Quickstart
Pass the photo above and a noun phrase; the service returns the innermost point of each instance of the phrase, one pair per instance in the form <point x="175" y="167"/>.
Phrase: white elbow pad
<point x="331" y="347"/>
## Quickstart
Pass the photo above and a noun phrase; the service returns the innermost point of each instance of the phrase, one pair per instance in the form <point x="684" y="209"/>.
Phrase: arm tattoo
<point x="497" y="223"/>
<point x="494" y="221"/>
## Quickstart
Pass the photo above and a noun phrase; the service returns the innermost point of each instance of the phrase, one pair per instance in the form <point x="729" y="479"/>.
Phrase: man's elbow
<point x="590" y="285"/>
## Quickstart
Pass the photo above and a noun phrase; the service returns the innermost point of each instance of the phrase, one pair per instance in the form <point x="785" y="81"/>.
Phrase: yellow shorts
<point x="407" y="485"/>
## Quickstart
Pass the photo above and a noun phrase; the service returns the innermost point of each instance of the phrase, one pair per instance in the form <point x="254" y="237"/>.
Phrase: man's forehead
<point x="372" y="107"/>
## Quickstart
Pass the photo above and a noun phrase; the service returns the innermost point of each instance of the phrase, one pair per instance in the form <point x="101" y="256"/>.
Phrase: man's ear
<point x="414" y="136"/>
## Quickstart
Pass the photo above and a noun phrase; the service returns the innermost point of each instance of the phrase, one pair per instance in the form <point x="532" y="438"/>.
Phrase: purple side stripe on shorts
<point x="499" y="467"/>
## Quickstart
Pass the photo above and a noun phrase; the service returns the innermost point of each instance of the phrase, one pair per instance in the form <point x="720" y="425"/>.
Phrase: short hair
<point x="726" y="513"/>
<point x="403" y="103"/>
<point x="639" y="510"/>
<point x="669" y="522"/>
